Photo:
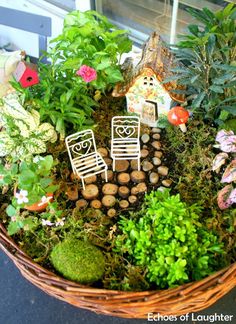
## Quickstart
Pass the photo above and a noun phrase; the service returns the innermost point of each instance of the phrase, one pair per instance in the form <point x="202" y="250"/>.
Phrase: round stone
<point x="72" y="192"/>
<point x="108" y="161"/>
<point x="134" y="191"/>
<point x="145" y="138"/>
<point x="110" y="189"/>
<point x="123" y="191"/>
<point x="167" y="182"/>
<point x="81" y="203"/>
<point x="158" y="154"/>
<point x="153" y="177"/>
<point x="96" y="204"/>
<point x="144" y="153"/>
<point x="156" y="136"/>
<point x="156" y="161"/>
<point x="124" y="204"/>
<point x="156" y="145"/>
<point x="103" y="151"/>
<point x="163" y="170"/>
<point x="110" y="175"/>
<point x="91" y="179"/>
<point x="132" y="199"/>
<point x="156" y="130"/>
<point x="111" y="212"/>
<point x="108" y="201"/>
<point x="138" y="176"/>
<point x="123" y="178"/>
<point x="121" y="165"/>
<point x="74" y="176"/>
<point x="134" y="164"/>
<point x="142" y="187"/>
<point x="147" y="166"/>
<point x="90" y="192"/>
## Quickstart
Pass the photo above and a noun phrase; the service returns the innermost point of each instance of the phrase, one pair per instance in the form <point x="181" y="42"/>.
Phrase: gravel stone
<point x="145" y="138"/>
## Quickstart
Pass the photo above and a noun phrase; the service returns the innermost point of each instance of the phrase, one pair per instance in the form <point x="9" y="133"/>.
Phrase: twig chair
<point x="84" y="158"/>
<point x="125" y="142"/>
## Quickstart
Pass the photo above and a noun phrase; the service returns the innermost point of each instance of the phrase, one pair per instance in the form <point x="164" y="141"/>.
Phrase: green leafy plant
<point x="22" y="135"/>
<point x="227" y="144"/>
<point x="84" y="62"/>
<point x="167" y="238"/>
<point x="208" y="55"/>
<point x="32" y="182"/>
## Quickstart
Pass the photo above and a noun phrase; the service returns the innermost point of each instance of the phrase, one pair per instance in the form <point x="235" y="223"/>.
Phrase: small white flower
<point x="46" y="222"/>
<point x="45" y="200"/>
<point x="38" y="158"/>
<point x="22" y="197"/>
<point x="60" y="222"/>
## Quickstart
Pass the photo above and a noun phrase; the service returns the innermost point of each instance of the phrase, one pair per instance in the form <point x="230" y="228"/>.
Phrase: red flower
<point x="87" y="73"/>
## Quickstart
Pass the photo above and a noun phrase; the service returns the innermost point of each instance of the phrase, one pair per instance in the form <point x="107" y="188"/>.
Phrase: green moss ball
<point x="78" y="261"/>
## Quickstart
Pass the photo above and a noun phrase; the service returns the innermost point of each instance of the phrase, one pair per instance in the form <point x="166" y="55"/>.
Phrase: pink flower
<point x="87" y="73"/>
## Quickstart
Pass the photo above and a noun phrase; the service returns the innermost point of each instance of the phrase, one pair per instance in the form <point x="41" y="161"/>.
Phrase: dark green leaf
<point x="198" y="100"/>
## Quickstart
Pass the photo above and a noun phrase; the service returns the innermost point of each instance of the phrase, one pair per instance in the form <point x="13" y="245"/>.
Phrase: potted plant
<point x="156" y="239"/>
<point x="33" y="189"/>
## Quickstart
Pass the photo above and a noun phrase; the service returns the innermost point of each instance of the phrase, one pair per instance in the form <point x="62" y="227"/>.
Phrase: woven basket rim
<point x="190" y="297"/>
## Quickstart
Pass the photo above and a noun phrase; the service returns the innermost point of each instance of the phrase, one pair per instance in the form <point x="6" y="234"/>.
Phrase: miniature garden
<point x="160" y="213"/>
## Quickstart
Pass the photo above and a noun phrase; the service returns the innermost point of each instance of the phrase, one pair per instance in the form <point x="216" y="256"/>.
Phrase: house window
<point x="148" y="81"/>
<point x="141" y="17"/>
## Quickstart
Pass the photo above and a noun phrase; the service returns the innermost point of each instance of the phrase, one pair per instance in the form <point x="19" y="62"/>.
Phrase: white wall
<point x="24" y="40"/>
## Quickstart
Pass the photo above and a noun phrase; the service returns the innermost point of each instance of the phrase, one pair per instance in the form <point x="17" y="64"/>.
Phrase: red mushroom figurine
<point x="178" y="116"/>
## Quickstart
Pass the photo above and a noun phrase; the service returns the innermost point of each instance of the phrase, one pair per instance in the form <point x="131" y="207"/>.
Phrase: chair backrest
<point x="125" y="127"/>
<point x="81" y="144"/>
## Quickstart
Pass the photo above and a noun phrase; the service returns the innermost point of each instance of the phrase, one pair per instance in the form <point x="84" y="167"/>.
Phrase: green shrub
<point x="167" y="238"/>
<point x="63" y="97"/>
<point x="78" y="261"/>
<point x="209" y="58"/>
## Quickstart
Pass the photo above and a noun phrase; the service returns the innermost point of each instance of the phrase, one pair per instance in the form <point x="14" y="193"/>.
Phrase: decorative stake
<point x="26" y="74"/>
<point x="178" y="116"/>
<point x="125" y="144"/>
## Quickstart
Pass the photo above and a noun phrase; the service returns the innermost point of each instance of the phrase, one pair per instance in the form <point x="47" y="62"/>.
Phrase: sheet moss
<point x="78" y="261"/>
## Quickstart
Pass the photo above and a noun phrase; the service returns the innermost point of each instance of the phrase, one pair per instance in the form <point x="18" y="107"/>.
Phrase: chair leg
<point x="114" y="164"/>
<point x="106" y="175"/>
<point x="82" y="179"/>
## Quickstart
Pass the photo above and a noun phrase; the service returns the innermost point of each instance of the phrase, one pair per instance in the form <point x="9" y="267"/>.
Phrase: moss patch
<point x="78" y="261"/>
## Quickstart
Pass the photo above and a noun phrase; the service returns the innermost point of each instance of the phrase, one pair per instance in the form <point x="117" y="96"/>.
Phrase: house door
<point x="149" y="112"/>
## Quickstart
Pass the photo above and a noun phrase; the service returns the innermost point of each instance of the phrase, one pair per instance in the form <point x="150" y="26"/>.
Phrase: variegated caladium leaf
<point x="218" y="161"/>
<point x="230" y="173"/>
<point x="226" y="197"/>
<point x="227" y="141"/>
<point x="222" y="135"/>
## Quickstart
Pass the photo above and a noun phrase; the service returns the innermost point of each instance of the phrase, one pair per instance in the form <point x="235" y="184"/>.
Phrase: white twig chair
<point x="84" y="158"/>
<point x="125" y="143"/>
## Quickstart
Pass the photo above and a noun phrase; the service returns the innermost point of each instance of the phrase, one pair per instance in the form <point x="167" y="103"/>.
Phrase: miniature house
<point x="26" y="74"/>
<point x="145" y="93"/>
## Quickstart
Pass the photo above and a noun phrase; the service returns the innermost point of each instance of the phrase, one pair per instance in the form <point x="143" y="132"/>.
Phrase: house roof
<point x="157" y="57"/>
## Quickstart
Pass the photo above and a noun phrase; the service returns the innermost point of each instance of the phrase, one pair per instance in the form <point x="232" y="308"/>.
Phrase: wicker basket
<point x="191" y="297"/>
